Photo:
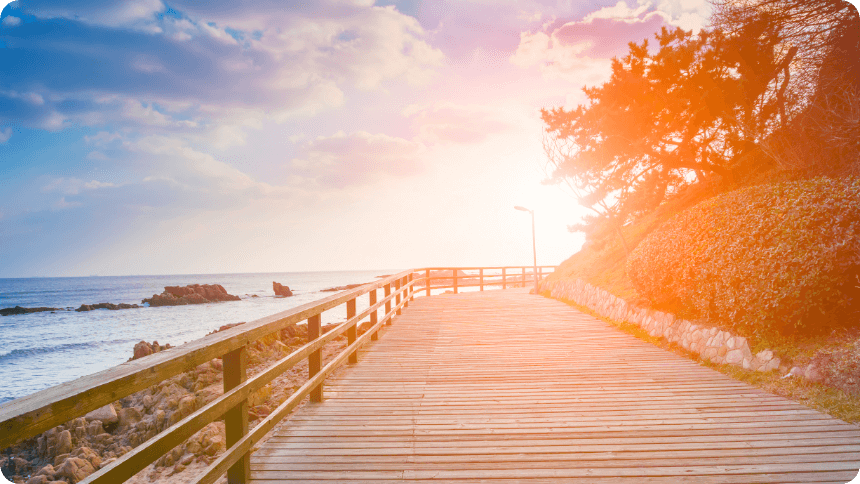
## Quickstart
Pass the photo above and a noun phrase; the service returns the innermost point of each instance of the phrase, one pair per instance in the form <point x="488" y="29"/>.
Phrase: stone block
<point x="734" y="356"/>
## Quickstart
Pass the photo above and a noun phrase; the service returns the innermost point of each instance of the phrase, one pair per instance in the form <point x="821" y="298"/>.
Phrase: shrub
<point x="781" y="257"/>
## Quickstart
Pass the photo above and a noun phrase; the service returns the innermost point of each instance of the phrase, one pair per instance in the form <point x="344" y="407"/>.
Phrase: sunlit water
<point x="40" y="350"/>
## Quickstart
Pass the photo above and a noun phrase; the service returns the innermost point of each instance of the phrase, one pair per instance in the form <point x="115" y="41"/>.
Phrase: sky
<point x="187" y="137"/>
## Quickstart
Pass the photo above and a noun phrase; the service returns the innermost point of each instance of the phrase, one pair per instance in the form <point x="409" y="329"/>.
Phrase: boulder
<point x="281" y="290"/>
<point x="106" y="414"/>
<point x="64" y="442"/>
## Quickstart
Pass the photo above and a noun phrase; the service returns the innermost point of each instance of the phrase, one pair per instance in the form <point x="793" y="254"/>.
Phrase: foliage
<point x="778" y="257"/>
<point x="670" y="116"/>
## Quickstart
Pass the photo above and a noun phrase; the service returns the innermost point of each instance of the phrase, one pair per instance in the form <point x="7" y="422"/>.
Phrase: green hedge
<point x="782" y="257"/>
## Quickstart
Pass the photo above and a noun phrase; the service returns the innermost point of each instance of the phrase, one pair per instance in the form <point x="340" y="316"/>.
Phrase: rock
<point x="75" y="469"/>
<point x="38" y="480"/>
<point x="19" y="310"/>
<point x="64" y="442"/>
<point x="129" y="417"/>
<point x="191" y="294"/>
<point x="145" y="349"/>
<point x="281" y="290"/>
<point x="735" y="357"/>
<point x="342" y="288"/>
<point x="812" y="374"/>
<point x="110" y="306"/>
<point x="106" y="414"/>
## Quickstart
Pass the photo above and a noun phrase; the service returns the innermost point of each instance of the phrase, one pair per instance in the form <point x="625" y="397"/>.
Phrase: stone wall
<point x="708" y="342"/>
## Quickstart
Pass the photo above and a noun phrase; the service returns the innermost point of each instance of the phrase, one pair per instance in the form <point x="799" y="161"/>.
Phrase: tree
<point x="691" y="108"/>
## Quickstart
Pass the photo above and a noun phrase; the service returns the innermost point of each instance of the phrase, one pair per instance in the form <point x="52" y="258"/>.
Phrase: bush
<point x="780" y="257"/>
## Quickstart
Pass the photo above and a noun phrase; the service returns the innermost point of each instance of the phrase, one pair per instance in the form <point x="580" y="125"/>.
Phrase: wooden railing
<point x="460" y="277"/>
<point x="31" y="415"/>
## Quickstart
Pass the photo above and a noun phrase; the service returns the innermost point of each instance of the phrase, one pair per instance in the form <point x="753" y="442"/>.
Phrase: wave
<point x="30" y="352"/>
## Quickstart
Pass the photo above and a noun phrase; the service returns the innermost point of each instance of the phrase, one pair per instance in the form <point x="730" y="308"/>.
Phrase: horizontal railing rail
<point x="458" y="278"/>
<point x="29" y="416"/>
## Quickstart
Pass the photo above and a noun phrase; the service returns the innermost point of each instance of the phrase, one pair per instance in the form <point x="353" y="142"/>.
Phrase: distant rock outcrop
<point x="191" y="294"/>
<point x="341" y="288"/>
<point x="111" y="306"/>
<point x="281" y="290"/>
<point x="19" y="310"/>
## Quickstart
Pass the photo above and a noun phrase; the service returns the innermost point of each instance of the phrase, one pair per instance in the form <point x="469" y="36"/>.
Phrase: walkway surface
<point x="501" y="386"/>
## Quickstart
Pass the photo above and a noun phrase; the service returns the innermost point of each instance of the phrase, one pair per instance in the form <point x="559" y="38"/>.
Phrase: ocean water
<point x="40" y="350"/>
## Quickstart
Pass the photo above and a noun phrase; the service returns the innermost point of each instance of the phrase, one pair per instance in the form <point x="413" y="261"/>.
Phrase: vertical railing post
<point x="315" y="358"/>
<point x="406" y="291"/>
<point x="235" y="367"/>
<point x="388" y="302"/>
<point x="352" y="332"/>
<point x="504" y="281"/>
<point x="397" y="297"/>
<point x="411" y="278"/>
<point x="482" y="278"/>
<point x="455" y="280"/>
<point x="524" y="277"/>
<point x="427" y="280"/>
<point x="373" y="316"/>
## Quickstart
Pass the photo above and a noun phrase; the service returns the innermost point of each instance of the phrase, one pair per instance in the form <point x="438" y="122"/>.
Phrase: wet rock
<point x="19" y="310"/>
<point x="281" y="290"/>
<point x="110" y="306"/>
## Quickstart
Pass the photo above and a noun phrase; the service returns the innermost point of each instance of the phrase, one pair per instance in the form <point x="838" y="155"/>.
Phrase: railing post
<point x="397" y="297"/>
<point x="351" y="333"/>
<point x="427" y="281"/>
<point x="315" y="358"/>
<point x="388" y="303"/>
<point x="524" y="277"/>
<point x="373" y="316"/>
<point x="504" y="281"/>
<point x="455" y="281"/>
<point x="482" y="278"/>
<point x="235" y="365"/>
<point x="410" y="278"/>
<point x="406" y="292"/>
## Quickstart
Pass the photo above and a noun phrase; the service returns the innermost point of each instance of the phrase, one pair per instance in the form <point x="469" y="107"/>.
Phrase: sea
<point x="40" y="350"/>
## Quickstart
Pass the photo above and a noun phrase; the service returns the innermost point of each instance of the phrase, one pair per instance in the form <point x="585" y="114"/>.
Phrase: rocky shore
<point x="191" y="294"/>
<point x="70" y="452"/>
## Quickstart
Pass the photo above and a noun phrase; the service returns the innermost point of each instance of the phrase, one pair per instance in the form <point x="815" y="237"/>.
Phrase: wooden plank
<point x="235" y="364"/>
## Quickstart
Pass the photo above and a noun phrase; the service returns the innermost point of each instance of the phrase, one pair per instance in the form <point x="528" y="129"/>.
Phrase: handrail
<point x="31" y="415"/>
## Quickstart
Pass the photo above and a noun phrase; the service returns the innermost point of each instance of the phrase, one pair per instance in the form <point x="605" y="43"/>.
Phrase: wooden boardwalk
<point x="501" y="386"/>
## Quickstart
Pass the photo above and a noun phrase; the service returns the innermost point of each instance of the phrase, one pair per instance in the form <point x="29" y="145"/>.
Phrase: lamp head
<point x="522" y="208"/>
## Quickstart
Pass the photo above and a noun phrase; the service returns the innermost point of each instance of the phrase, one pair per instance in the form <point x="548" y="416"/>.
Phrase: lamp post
<point x="534" y="246"/>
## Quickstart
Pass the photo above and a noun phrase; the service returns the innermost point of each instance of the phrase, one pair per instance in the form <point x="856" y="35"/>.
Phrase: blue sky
<point x="152" y="137"/>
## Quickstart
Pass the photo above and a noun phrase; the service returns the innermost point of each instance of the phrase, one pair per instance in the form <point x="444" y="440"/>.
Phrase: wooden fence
<point x="29" y="416"/>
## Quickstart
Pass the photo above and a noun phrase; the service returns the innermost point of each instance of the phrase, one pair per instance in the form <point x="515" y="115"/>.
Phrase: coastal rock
<point x="19" y="310"/>
<point x="341" y="288"/>
<point x="111" y="306"/>
<point x="281" y="290"/>
<point x="64" y="442"/>
<point x="145" y="349"/>
<point x="191" y="294"/>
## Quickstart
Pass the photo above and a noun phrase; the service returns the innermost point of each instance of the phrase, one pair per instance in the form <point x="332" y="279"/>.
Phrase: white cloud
<point x="5" y="134"/>
<point x="11" y="21"/>
<point x="343" y="160"/>
<point x="73" y="186"/>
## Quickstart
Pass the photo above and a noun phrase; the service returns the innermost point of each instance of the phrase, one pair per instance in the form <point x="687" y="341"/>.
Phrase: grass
<point x="828" y="400"/>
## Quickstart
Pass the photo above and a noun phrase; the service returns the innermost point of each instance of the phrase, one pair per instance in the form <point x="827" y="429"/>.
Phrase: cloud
<point x="5" y="134"/>
<point x="73" y="186"/>
<point x="448" y="122"/>
<point x="580" y="50"/>
<point x="11" y="21"/>
<point x="128" y="13"/>
<point x="344" y="160"/>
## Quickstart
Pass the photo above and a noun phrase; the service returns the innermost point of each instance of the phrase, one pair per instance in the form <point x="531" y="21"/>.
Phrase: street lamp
<point x="534" y="247"/>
